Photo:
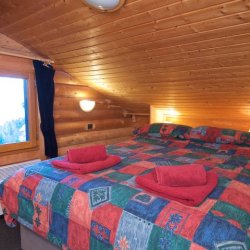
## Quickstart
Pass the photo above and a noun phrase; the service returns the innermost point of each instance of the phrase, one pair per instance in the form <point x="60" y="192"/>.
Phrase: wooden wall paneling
<point x="79" y="126"/>
<point x="68" y="115"/>
<point x="224" y="118"/>
<point x="70" y="121"/>
<point x="93" y="136"/>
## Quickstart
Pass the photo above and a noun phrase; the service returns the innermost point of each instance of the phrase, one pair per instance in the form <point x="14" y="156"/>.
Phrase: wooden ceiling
<point x="185" y="54"/>
<point x="10" y="47"/>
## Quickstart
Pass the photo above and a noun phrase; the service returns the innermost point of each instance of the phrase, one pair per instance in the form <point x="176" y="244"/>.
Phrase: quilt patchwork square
<point x="44" y="191"/>
<point x="121" y="194"/>
<point x="14" y="182"/>
<point x="101" y="216"/>
<point x="214" y="229"/>
<point x="240" y="199"/>
<point x="80" y="211"/>
<point x="26" y="209"/>
<point x="28" y="187"/>
<point x="41" y="219"/>
<point x="232" y="214"/>
<point x="164" y="239"/>
<point x="78" y="236"/>
<point x="61" y="198"/>
<point x="11" y="198"/>
<point x="146" y="206"/>
<point x="133" y="232"/>
<point x="58" y="233"/>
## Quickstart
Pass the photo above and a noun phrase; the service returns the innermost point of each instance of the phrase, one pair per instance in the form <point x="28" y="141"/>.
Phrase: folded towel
<point x="181" y="176"/>
<point x="84" y="168"/>
<point x="191" y="196"/>
<point x="87" y="154"/>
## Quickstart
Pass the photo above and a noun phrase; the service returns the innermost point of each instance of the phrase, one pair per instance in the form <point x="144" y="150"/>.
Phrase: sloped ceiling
<point x="186" y="54"/>
<point x="10" y="47"/>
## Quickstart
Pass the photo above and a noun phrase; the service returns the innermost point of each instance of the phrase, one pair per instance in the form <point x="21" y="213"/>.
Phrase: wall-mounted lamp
<point x="87" y="105"/>
<point x="105" y="5"/>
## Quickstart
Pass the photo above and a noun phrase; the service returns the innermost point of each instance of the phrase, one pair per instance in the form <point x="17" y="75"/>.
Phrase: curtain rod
<point x="47" y="60"/>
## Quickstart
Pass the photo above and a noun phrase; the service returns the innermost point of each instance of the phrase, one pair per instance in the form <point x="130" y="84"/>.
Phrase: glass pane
<point x="13" y="110"/>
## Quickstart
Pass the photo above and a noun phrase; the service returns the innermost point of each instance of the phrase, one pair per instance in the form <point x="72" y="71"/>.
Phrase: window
<point x="14" y="126"/>
<point x="17" y="113"/>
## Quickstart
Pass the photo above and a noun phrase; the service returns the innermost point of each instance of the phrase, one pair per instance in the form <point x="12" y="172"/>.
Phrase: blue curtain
<point x="45" y="90"/>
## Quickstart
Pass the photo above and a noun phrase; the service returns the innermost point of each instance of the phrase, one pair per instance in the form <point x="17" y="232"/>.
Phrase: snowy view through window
<point x="13" y="110"/>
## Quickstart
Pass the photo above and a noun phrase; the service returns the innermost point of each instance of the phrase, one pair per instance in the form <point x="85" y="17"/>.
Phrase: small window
<point x="17" y="130"/>
<point x="14" y="125"/>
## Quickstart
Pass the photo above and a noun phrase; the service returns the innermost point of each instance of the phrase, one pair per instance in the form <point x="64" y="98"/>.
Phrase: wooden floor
<point x="9" y="237"/>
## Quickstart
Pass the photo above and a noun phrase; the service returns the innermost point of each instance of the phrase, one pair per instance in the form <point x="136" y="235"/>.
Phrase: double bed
<point x="108" y="210"/>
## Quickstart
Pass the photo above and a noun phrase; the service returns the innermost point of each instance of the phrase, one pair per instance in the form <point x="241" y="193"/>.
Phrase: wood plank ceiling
<point x="186" y="54"/>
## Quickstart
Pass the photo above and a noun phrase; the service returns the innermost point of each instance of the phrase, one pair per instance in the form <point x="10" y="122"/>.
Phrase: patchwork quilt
<point x="107" y="210"/>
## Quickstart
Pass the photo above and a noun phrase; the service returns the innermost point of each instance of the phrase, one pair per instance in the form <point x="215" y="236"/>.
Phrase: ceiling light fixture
<point x="105" y="5"/>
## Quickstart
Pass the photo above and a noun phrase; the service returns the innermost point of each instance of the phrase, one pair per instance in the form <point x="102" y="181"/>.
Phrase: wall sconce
<point x="87" y="105"/>
<point x="105" y="5"/>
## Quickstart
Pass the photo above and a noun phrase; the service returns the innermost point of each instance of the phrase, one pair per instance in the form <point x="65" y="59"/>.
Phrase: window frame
<point x="32" y="114"/>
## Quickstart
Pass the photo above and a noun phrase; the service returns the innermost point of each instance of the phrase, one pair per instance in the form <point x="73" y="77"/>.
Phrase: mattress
<point x="107" y="210"/>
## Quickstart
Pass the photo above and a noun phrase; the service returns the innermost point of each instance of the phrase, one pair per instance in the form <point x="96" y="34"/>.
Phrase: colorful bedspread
<point x="107" y="210"/>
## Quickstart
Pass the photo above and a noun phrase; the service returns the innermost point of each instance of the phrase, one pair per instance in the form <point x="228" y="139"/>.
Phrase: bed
<point x="108" y="210"/>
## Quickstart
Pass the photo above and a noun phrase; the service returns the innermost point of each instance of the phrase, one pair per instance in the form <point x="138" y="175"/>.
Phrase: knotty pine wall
<point x="70" y="121"/>
<point x="212" y="114"/>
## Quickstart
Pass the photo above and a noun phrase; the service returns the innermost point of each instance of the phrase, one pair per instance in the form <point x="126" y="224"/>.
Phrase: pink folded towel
<point x="181" y="176"/>
<point x="191" y="196"/>
<point x="84" y="168"/>
<point x="87" y="154"/>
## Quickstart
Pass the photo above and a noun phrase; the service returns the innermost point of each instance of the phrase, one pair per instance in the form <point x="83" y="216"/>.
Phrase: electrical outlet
<point x="89" y="126"/>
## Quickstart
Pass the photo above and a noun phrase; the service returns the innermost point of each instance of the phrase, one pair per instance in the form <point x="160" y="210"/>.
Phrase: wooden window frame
<point x="32" y="114"/>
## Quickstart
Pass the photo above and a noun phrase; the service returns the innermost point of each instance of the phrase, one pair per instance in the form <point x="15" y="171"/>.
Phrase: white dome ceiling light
<point x="105" y="5"/>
